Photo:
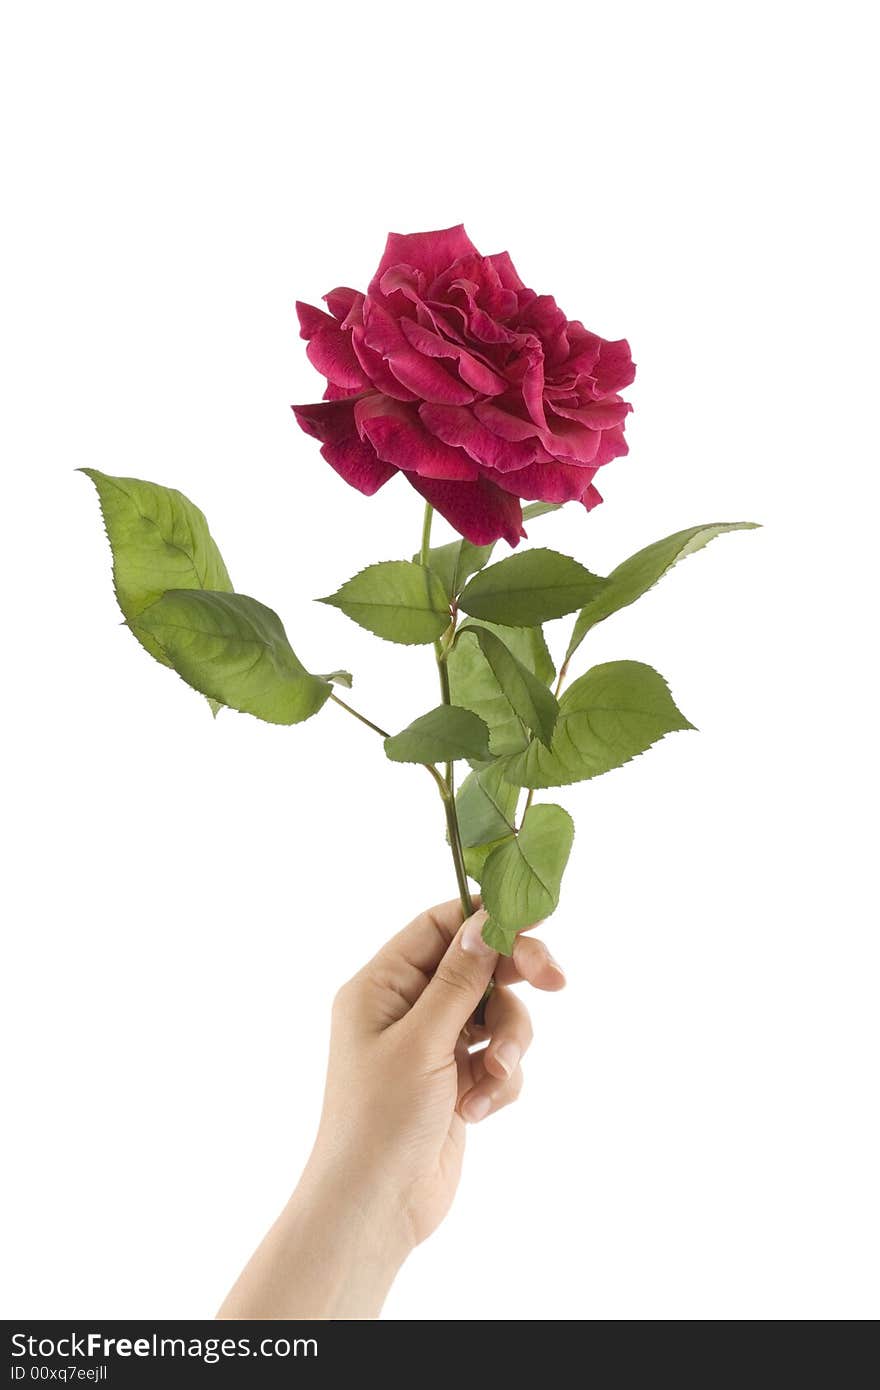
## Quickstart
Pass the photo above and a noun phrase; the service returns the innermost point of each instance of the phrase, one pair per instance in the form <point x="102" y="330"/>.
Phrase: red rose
<point x="476" y="388"/>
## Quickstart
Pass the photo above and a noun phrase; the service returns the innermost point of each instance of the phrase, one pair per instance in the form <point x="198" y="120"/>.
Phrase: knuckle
<point x="453" y="978"/>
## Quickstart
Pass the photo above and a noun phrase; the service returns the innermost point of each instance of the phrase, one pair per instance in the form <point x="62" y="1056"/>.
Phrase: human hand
<point x="402" y="1078"/>
<point x="402" y="1083"/>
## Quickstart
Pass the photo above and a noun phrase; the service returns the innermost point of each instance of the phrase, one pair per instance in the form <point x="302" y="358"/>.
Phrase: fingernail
<point x="472" y="936"/>
<point x="476" y="1109"/>
<point x="554" y="965"/>
<point x="507" y="1054"/>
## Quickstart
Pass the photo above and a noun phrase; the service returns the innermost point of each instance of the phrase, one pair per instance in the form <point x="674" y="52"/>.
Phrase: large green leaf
<point x="159" y="540"/>
<point x="522" y="876"/>
<point x="475" y="686"/>
<point x="475" y="856"/>
<point x="234" y="650"/>
<point x="486" y="806"/>
<point x="396" y="599"/>
<point x="529" y="588"/>
<point x="527" y="696"/>
<point x="441" y="736"/>
<point x="608" y="716"/>
<point x="641" y="572"/>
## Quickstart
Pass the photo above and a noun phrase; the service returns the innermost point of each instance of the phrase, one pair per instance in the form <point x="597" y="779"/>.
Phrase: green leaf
<point x="485" y="806"/>
<point x="456" y="562"/>
<point x="536" y="509"/>
<point x="475" y="856"/>
<point x="159" y="540"/>
<point x="338" y="678"/>
<point x="441" y="736"/>
<point x="641" y="572"/>
<point x="608" y="716"/>
<point x="528" y="697"/>
<point x="522" y="876"/>
<point x="214" y="706"/>
<point x="234" y="650"/>
<point x="475" y="686"/>
<point x="530" y="588"/>
<point x="396" y="599"/>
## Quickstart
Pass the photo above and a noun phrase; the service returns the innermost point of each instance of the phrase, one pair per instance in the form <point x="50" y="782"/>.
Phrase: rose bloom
<point x="480" y="391"/>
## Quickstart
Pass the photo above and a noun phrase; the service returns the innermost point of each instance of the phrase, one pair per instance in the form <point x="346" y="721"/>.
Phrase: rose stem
<point x="447" y="785"/>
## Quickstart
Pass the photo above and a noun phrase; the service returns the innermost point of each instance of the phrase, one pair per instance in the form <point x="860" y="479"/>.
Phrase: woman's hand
<point x="402" y="1083"/>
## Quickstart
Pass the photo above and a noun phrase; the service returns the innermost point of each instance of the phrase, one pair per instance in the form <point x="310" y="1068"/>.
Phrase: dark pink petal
<point x="340" y="393"/>
<point x="596" y="415"/>
<point x="329" y="421"/>
<point x="585" y="349"/>
<point x="479" y="511"/>
<point x="403" y="278"/>
<point x="474" y="372"/>
<point x="341" y="301"/>
<point x="312" y="319"/>
<point x="548" y="482"/>
<point x="458" y="426"/>
<point x="420" y="374"/>
<point x="616" y="368"/>
<point x="399" y="437"/>
<point x="331" y="351"/>
<point x="427" y="251"/>
<point x="612" y="445"/>
<point x="503" y="423"/>
<point x="566" y="439"/>
<point x="358" y="463"/>
<point x="506" y="270"/>
<point x="591" y="498"/>
<point x="377" y="369"/>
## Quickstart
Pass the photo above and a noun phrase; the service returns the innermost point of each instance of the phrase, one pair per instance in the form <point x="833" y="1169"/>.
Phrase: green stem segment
<point x="447" y="784"/>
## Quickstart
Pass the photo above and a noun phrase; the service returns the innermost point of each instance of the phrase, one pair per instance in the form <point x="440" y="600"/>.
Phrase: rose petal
<point x="331" y="351"/>
<point x="479" y="511"/>
<point x="341" y="301"/>
<point x="377" y="370"/>
<point x="420" y="374"/>
<point x="458" y="426"/>
<point x="591" y="498"/>
<point x="312" y="319"/>
<point x="548" y="482"/>
<point x="505" y="270"/>
<point x="612" y="445"/>
<point x="596" y="415"/>
<point x="616" y="368"/>
<point x="427" y="251"/>
<point x="399" y="437"/>
<point x="329" y="421"/>
<point x="474" y="372"/>
<point x="357" y="462"/>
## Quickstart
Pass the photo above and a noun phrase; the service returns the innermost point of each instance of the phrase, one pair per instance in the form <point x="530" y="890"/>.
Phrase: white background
<point x="698" y="1134"/>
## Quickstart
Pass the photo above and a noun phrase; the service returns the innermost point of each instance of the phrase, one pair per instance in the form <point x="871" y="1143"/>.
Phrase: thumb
<point x="458" y="984"/>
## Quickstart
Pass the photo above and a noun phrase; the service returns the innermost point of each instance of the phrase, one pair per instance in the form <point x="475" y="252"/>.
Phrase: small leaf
<point x="530" y="588"/>
<point x="441" y="736"/>
<point x="456" y="562"/>
<point x="528" y="697"/>
<point x="485" y="806"/>
<point x="475" y="686"/>
<point x="214" y="706"/>
<point x="475" y="856"/>
<point x="641" y="572"/>
<point x="522" y="876"/>
<point x="159" y="540"/>
<point x="396" y="599"/>
<point x="607" y="717"/>
<point x="536" y="509"/>
<point x="339" y="678"/>
<point x="234" y="650"/>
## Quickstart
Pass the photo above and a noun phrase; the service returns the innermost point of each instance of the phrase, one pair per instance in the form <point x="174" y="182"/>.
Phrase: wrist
<point x="352" y="1232"/>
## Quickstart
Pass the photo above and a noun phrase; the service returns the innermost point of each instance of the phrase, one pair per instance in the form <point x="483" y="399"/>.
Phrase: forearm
<point x="333" y="1253"/>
